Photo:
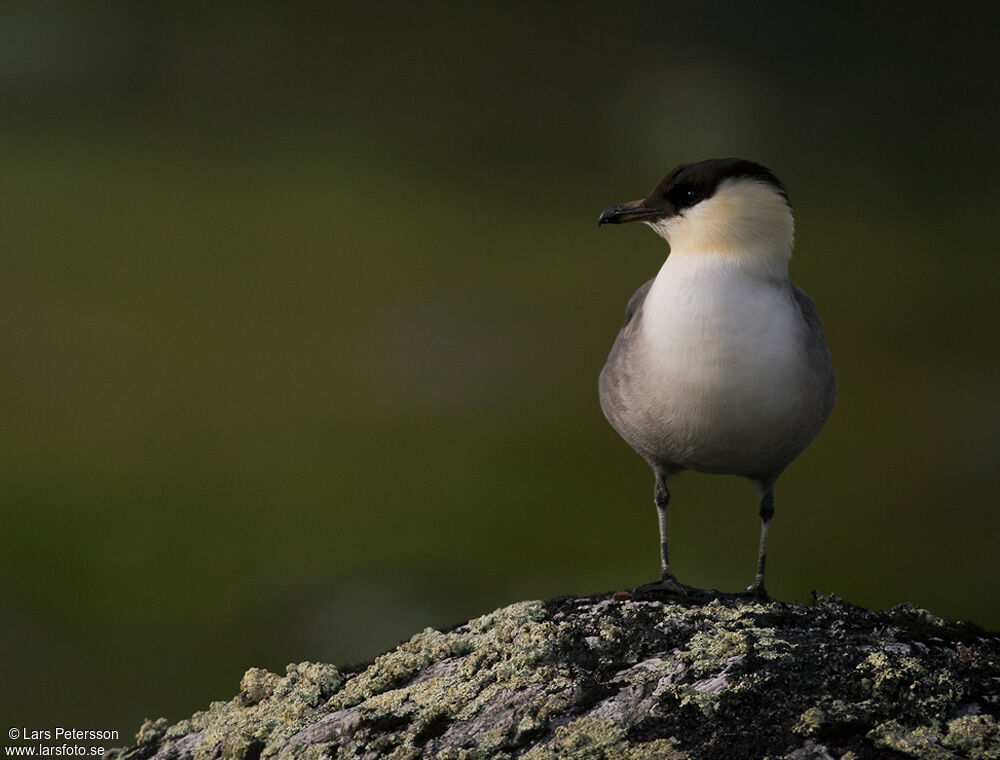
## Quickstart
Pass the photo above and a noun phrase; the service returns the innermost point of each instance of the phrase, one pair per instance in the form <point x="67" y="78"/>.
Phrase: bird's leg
<point x="667" y="582"/>
<point x="661" y="496"/>
<point x="756" y="589"/>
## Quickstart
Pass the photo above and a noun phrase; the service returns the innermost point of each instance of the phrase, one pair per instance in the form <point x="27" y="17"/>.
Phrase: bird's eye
<point x="692" y="195"/>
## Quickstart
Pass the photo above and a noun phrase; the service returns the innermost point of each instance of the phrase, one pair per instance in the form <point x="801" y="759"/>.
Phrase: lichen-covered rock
<point x="620" y="678"/>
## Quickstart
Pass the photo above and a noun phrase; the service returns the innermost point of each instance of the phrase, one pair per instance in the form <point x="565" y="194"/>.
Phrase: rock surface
<point x="619" y="677"/>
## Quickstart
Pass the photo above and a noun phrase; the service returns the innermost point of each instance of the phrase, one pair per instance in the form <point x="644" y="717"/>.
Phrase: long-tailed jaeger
<point x="721" y="365"/>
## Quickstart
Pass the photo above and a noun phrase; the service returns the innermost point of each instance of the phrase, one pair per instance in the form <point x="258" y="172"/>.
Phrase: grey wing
<point x="809" y="313"/>
<point x="615" y="376"/>
<point x="622" y="388"/>
<point x="822" y="361"/>
<point x="636" y="301"/>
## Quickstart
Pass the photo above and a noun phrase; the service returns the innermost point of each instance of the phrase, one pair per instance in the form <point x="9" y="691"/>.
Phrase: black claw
<point x="758" y="593"/>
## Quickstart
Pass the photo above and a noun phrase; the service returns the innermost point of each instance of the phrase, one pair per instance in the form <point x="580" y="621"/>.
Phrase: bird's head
<point x="729" y="209"/>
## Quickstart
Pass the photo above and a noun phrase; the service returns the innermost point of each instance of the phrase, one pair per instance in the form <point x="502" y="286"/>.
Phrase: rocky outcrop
<point x="619" y="677"/>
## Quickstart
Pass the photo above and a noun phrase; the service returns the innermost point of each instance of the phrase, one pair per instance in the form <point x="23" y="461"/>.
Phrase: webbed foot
<point x="667" y="585"/>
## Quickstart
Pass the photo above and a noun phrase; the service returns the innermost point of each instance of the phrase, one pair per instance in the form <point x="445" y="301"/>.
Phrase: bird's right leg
<point x="661" y="495"/>
<point x="667" y="582"/>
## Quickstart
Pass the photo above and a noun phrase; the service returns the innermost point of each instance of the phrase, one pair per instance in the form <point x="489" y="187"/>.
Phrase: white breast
<point x="726" y="369"/>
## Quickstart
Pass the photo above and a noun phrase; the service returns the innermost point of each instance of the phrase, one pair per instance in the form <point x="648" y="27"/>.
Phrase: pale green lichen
<point x="402" y="664"/>
<point x="242" y="727"/>
<point x="809" y="722"/>
<point x="977" y="736"/>
<point x="709" y="648"/>
<point x="920" y="742"/>
<point x="151" y="731"/>
<point x="257" y="685"/>
<point x="622" y="679"/>
<point x="608" y="631"/>
<point x="905" y="678"/>
<point x="593" y="739"/>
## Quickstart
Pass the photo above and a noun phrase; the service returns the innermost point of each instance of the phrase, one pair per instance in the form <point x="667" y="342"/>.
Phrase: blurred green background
<point x="302" y="310"/>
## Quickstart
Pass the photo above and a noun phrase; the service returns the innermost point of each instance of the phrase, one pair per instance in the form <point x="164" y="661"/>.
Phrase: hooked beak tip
<point x="610" y="215"/>
<point x="633" y="211"/>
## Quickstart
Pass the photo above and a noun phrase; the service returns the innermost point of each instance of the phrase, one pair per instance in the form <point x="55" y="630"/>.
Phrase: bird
<point x="721" y="365"/>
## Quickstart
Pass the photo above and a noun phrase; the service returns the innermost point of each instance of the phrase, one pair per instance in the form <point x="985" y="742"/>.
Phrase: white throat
<point x="746" y="225"/>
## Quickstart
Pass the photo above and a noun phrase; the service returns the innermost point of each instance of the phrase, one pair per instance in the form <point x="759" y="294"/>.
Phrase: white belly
<point x="726" y="368"/>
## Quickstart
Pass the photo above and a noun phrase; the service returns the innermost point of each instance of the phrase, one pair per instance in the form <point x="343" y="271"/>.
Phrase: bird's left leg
<point x="756" y="589"/>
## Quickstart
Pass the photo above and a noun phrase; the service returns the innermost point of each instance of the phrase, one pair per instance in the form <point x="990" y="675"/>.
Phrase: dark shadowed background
<point x="302" y="310"/>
